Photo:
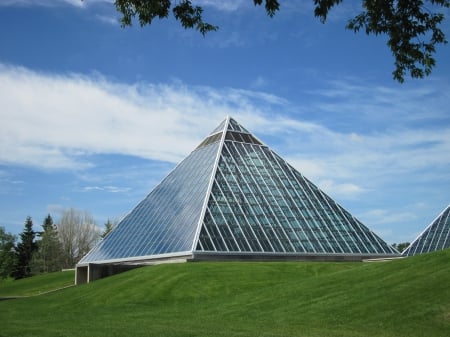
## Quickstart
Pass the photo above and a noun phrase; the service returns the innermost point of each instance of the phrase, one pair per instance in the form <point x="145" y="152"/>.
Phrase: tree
<point x="7" y="253"/>
<point x="108" y="227"/>
<point x="25" y="250"/>
<point x="412" y="26"/>
<point x="401" y="246"/>
<point x="48" y="257"/>
<point x="78" y="234"/>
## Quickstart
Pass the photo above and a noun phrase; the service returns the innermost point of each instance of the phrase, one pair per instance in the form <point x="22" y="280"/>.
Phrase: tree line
<point x="53" y="248"/>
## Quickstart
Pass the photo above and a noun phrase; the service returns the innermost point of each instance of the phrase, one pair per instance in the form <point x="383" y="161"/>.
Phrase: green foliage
<point x="413" y="32"/>
<point x="272" y="6"/>
<point x="145" y="10"/>
<point x="401" y="246"/>
<point x="406" y="297"/>
<point x="25" y="250"/>
<point x="49" y="254"/>
<point x="412" y="26"/>
<point x="7" y="253"/>
<point x="108" y="228"/>
<point x="189" y="16"/>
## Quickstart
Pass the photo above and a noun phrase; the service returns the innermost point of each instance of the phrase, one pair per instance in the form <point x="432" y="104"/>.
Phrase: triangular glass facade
<point x="166" y="220"/>
<point x="233" y="195"/>
<point x="435" y="237"/>
<point x="261" y="204"/>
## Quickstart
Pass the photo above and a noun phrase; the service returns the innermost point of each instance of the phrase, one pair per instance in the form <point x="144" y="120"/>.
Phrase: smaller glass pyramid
<point x="435" y="237"/>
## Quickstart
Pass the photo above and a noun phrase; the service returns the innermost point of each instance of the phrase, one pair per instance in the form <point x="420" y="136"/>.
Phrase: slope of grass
<point x="409" y="297"/>
<point x="37" y="284"/>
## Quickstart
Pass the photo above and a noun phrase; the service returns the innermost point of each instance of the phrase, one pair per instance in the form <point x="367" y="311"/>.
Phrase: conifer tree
<point x="25" y="249"/>
<point x="108" y="228"/>
<point x="48" y="257"/>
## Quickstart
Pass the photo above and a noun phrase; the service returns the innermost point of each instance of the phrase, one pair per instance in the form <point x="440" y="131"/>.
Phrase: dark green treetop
<point x="108" y="228"/>
<point x="49" y="254"/>
<point x="25" y="249"/>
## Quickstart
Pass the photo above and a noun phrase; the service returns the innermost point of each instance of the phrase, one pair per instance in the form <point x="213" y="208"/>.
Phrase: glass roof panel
<point x="166" y="220"/>
<point x="258" y="203"/>
<point x="277" y="210"/>
<point x="435" y="237"/>
<point x="219" y="128"/>
<point x="235" y="126"/>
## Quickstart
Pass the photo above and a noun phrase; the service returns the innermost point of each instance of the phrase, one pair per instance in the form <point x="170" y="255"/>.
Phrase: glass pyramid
<point x="435" y="237"/>
<point x="234" y="197"/>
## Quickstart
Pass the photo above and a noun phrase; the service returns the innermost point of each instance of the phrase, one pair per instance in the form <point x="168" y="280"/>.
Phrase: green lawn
<point x="408" y="297"/>
<point x="37" y="284"/>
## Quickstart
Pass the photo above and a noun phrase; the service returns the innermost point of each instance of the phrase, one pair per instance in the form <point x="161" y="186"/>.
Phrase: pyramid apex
<point x="229" y="124"/>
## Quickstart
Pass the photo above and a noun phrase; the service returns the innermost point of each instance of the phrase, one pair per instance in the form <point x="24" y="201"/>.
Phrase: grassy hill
<point x="36" y="285"/>
<point x="408" y="297"/>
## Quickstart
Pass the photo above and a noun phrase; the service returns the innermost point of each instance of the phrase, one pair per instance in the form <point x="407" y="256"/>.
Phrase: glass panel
<point x="435" y="237"/>
<point x="166" y="220"/>
<point x="258" y="203"/>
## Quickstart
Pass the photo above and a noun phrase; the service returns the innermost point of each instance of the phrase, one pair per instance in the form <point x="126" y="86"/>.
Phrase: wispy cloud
<point x="108" y="19"/>
<point x="48" y="3"/>
<point x="109" y="189"/>
<point x="52" y="3"/>
<point x="259" y="82"/>
<point x="361" y="140"/>
<point x="58" y="121"/>
<point x="52" y="121"/>
<point x="229" y="5"/>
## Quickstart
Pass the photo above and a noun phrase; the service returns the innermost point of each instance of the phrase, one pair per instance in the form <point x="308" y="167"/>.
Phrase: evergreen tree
<point x="108" y="228"/>
<point x="48" y="257"/>
<point x="7" y="253"/>
<point x="24" y="252"/>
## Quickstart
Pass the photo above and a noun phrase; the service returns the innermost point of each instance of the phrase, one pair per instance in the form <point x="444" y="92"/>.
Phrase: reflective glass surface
<point x="435" y="237"/>
<point x="259" y="203"/>
<point x="166" y="220"/>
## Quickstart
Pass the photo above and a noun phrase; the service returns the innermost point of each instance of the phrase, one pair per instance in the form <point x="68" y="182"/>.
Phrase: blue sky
<point x="93" y="116"/>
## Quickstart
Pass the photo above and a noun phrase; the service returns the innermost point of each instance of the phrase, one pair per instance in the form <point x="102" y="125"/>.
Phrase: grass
<point x="36" y="285"/>
<point x="408" y="297"/>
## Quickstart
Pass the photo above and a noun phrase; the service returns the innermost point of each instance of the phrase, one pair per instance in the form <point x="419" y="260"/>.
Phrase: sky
<point x="93" y="116"/>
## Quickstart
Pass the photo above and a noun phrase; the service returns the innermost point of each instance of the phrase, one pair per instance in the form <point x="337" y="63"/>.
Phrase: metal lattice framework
<point x="435" y="237"/>
<point x="234" y="196"/>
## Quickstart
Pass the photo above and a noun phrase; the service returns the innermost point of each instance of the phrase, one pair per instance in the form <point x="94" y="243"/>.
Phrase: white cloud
<point x="228" y="6"/>
<point x="360" y="147"/>
<point x="259" y="82"/>
<point x="343" y="190"/>
<point x="381" y="216"/>
<point x="110" y="189"/>
<point x="54" y="121"/>
<point x="108" y="19"/>
<point x="77" y="3"/>
<point x="53" y="3"/>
